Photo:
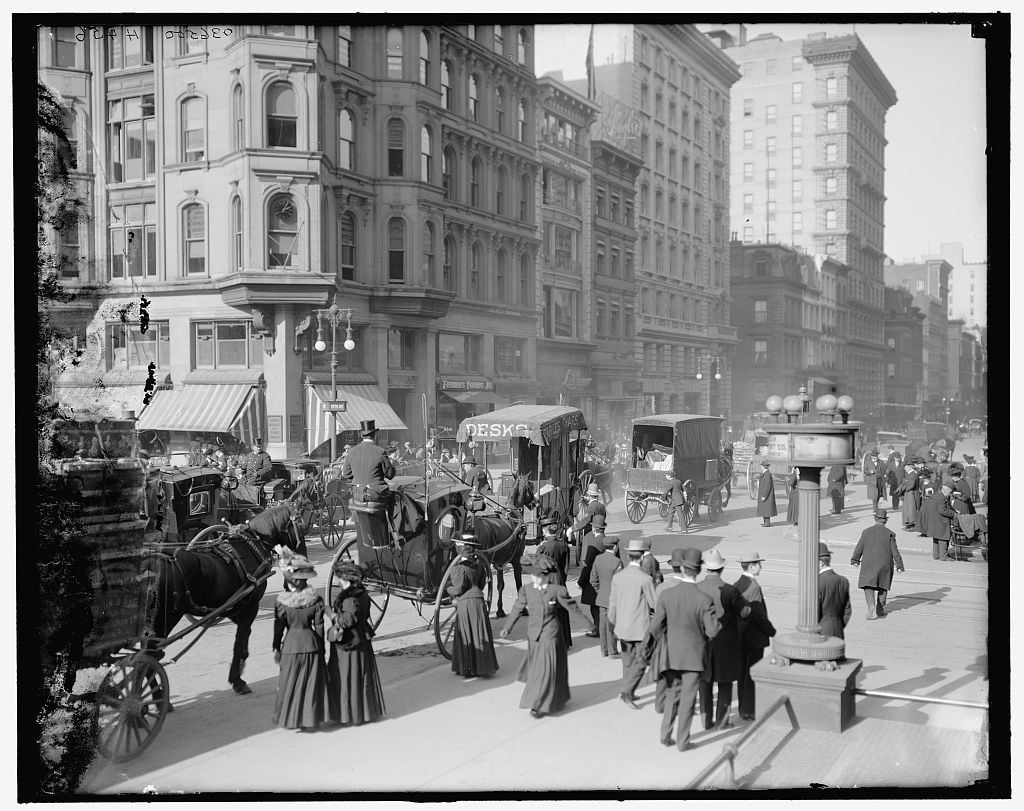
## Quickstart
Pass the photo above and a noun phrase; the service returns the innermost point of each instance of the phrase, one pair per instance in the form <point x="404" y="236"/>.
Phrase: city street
<point x="444" y="733"/>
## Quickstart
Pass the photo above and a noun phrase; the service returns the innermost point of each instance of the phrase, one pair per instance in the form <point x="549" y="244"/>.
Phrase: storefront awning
<point x="362" y="403"/>
<point x="225" y="409"/>
<point x="476" y="397"/>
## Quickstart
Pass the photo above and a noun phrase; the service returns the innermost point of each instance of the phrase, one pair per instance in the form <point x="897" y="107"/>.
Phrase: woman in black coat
<point x="793" y="508"/>
<point x="298" y="649"/>
<point x="473" y="643"/>
<point x="354" y="695"/>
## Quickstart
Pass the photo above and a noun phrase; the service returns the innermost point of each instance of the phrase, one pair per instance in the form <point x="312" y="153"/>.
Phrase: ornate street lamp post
<point x="333" y="315"/>
<point x="717" y="375"/>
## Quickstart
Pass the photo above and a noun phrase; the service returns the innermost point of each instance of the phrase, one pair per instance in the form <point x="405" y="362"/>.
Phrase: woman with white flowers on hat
<point x="298" y="649"/>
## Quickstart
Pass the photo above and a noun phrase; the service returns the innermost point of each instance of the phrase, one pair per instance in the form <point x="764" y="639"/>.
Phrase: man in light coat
<point x="877" y="551"/>
<point x="630" y="606"/>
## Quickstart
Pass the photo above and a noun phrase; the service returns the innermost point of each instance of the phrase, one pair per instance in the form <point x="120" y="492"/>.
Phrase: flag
<point x="591" y="79"/>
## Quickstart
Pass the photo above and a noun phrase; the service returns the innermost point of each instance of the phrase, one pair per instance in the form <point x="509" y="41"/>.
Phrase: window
<point x="193" y="130"/>
<point x="831" y="219"/>
<point x="447" y="163"/>
<point x="426" y="155"/>
<point x="559" y="313"/>
<point x="831" y="87"/>
<point x="424" y="58"/>
<point x="509" y="355"/>
<point x="458" y="353"/>
<point x="130" y="46"/>
<point x="345" y="45"/>
<point x="499" y="42"/>
<point x="501" y="192"/>
<point x="798" y="92"/>
<point x="525" y="193"/>
<point x="501" y="278"/>
<point x="282" y="232"/>
<point x="64" y="46"/>
<point x="798" y="124"/>
<point x="760" y="311"/>
<point x="748" y="139"/>
<point x="446" y="85"/>
<point x="760" y="353"/>
<point x="770" y="145"/>
<point x="401" y="348"/>
<point x="890" y="370"/>
<point x="770" y="175"/>
<point x="347" y="252"/>
<point x="279" y="30"/>
<point x="613" y="321"/>
<point x="748" y="233"/>
<point x="475" y="291"/>
<point x="798" y="157"/>
<point x="499" y="110"/>
<point x="476" y="170"/>
<point x="237" y="246"/>
<point x="831" y="185"/>
<point x="798" y="191"/>
<point x="450" y="279"/>
<point x="769" y="66"/>
<point x="346" y="141"/>
<point x="526" y="295"/>
<point x="798" y="222"/>
<point x="226" y="344"/>
<point x="748" y="202"/>
<point x="474" y="101"/>
<point x="128" y="348"/>
<point x="521" y="132"/>
<point x="282" y="118"/>
<point x="70" y="250"/>
<point x="133" y="241"/>
<point x="193" y="219"/>
<point x="748" y="108"/>
<point x="131" y="138"/>
<point x="396" y="251"/>
<point x="396" y="147"/>
<point x="770" y="113"/>
<point x="798" y="62"/>
<point x="831" y="153"/>
<point x="394" y="52"/>
<point x="237" y="118"/>
<point x="521" y="48"/>
<point x="748" y="171"/>
<point x="831" y="120"/>
<point x="658" y="155"/>
<point x="760" y="267"/>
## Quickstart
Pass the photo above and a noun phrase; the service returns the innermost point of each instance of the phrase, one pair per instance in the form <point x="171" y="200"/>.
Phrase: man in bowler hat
<point x="593" y="545"/>
<point x="755" y="630"/>
<point x="877" y="551"/>
<point x="368" y="467"/>
<point x="834" y="609"/>
<point x="766" y="495"/>
<point x="605" y="566"/>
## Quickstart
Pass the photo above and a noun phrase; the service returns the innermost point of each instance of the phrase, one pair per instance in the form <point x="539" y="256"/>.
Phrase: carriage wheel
<point x="379" y="592"/>
<point x="444" y="609"/>
<point x="133" y="702"/>
<point x="636" y="506"/>
<point x="690" y="497"/>
<point x="333" y="521"/>
<point x="715" y="505"/>
<point x="664" y="508"/>
<point x="751" y="481"/>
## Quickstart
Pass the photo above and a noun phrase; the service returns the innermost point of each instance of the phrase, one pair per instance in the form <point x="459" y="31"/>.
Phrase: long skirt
<point x="300" y="691"/>
<point x="793" y="508"/>
<point x="545" y="669"/>
<point x="353" y="686"/>
<point x="473" y="643"/>
<point x="909" y="508"/>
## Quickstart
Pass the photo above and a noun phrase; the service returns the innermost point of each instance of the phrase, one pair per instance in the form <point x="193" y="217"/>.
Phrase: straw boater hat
<point x="713" y="560"/>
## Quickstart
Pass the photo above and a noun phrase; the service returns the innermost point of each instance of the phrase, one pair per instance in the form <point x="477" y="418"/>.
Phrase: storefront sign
<point x="467" y="385"/>
<point x="496" y="430"/>
<point x="574" y="380"/>
<point x="275" y="428"/>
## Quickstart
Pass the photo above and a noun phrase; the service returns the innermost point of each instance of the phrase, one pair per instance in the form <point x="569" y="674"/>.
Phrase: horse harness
<point x="225" y="549"/>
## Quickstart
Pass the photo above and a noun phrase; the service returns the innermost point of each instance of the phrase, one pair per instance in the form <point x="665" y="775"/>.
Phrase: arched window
<point x="346" y="141"/>
<point x="525" y="195"/>
<point x="429" y="258"/>
<point x="525" y="280"/>
<point x="448" y="172"/>
<point x="475" y="270"/>
<point x="474" y="98"/>
<point x="193" y="130"/>
<point x="193" y="220"/>
<point x="521" y="48"/>
<point x="450" y="271"/>
<point x="446" y="85"/>
<point x="396" y="251"/>
<point x="394" y="52"/>
<point x="424" y="58"/>
<point x="282" y="117"/>
<point x="499" y="41"/>
<point x="501" y="278"/>
<point x="237" y="245"/>
<point x="501" y="194"/>
<point x="347" y="247"/>
<point x="476" y="172"/>
<point x="426" y="155"/>
<point x="499" y="110"/>
<point x="282" y="232"/>
<point x="396" y="150"/>
<point x="521" y="129"/>
<point x="237" y="118"/>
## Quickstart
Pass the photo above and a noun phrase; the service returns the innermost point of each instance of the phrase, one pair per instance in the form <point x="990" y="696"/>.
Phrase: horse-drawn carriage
<point x="688" y="446"/>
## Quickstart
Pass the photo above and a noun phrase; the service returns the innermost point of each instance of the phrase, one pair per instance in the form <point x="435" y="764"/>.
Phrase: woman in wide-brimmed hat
<point x="473" y="641"/>
<point x="354" y="695"/>
<point x="298" y="648"/>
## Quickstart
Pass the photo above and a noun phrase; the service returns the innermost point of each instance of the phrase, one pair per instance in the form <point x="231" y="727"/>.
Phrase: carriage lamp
<point x="805" y="400"/>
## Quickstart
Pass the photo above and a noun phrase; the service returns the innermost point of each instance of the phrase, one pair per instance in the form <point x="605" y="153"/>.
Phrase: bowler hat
<point x="882" y="514"/>
<point x="469" y="460"/>
<point x="367" y="427"/>
<point x="597" y="522"/>
<point x="637" y="545"/>
<point x="611" y="540"/>
<point x="823" y="550"/>
<point x="593" y="491"/>
<point x="713" y="560"/>
<point x="676" y="561"/>
<point x="751" y="557"/>
<point x="766" y="463"/>
<point x="691" y="558"/>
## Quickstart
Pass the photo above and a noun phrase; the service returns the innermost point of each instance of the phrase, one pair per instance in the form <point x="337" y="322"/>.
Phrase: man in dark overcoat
<point x="963" y="494"/>
<point x="874" y="476"/>
<point x="650" y="564"/>
<point x="834" y="609"/>
<point x="686" y="616"/>
<point x="605" y="566"/>
<point x="755" y="631"/>
<point x="876" y="554"/>
<point x="766" y="507"/>
<point x="723" y="663"/>
<point x="593" y="545"/>
<point x="908" y="491"/>
<point x="593" y="506"/>
<point x="368" y="467"/>
<point x="837" y="487"/>
<point x="475" y="475"/>
<point x="937" y="514"/>
<point x="894" y="477"/>
<point x="674" y="494"/>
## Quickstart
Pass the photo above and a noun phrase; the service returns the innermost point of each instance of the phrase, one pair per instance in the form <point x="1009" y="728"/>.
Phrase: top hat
<point x="691" y="558"/>
<point x="713" y="560"/>
<point x="882" y="514"/>
<point x="367" y="427"/>
<point x="593" y="491"/>
<point x="751" y="557"/>
<point x="823" y="550"/>
<point x="597" y="522"/>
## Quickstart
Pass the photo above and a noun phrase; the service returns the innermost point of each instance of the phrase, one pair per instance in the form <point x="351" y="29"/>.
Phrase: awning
<point x="363" y="403"/>
<point x="476" y="397"/>
<point x="228" y="409"/>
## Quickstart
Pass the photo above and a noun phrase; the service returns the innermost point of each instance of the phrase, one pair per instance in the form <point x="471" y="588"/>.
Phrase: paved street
<point x="444" y="733"/>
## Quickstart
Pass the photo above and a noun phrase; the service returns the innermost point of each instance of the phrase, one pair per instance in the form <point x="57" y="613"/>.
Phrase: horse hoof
<point x="242" y="688"/>
<point x="499" y="614"/>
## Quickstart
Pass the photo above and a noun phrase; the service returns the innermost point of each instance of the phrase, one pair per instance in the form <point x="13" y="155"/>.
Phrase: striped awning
<point x="362" y="403"/>
<point x="220" y="409"/>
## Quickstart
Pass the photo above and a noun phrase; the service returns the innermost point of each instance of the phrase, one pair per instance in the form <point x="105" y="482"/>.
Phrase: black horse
<point x="212" y="575"/>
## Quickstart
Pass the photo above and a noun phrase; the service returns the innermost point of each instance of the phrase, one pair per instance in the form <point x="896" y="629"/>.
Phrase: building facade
<point x="238" y="182"/>
<point x="808" y="163"/>
<point x="904" y="353"/>
<point x="968" y="288"/>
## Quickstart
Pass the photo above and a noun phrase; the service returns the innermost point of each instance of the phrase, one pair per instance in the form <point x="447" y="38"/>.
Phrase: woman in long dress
<point x="545" y="668"/>
<point x="354" y="695"/>
<point x="298" y="649"/>
<point x="793" y="508"/>
<point x="473" y="644"/>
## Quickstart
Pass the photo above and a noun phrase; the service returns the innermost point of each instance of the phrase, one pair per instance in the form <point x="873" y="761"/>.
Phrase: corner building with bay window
<point x="238" y="178"/>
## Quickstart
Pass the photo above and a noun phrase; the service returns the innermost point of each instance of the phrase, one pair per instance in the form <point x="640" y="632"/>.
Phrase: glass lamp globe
<point x="773" y="404"/>
<point x="700" y="375"/>
<point x="718" y="376"/>
<point x="320" y="346"/>
<point x="845" y="403"/>
<point x="792" y="404"/>
<point x="826" y="403"/>
<point x="349" y="344"/>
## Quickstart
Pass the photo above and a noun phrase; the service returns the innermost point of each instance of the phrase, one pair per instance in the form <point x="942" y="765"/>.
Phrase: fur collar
<point x="298" y="599"/>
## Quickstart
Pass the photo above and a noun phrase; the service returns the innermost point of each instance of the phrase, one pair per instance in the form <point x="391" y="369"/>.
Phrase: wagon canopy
<point x="538" y="423"/>
<point x="693" y="435"/>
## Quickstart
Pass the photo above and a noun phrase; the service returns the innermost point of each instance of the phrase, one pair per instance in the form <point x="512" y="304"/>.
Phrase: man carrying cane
<point x="877" y="549"/>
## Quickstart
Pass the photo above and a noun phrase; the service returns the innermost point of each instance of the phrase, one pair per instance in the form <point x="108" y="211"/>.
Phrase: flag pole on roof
<point x="591" y="79"/>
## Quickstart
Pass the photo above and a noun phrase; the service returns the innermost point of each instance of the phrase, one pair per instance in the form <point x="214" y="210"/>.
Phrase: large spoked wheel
<point x="380" y="594"/>
<point x="636" y="506"/>
<point x="134" y="699"/>
<point x="444" y="610"/>
<point x="751" y="481"/>
<point x="690" y="496"/>
<point x="664" y="508"/>
<point x="333" y="520"/>
<point x="715" y="505"/>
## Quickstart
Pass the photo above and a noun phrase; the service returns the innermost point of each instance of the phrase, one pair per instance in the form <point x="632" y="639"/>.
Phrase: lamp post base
<point x="818" y="699"/>
<point x="806" y="647"/>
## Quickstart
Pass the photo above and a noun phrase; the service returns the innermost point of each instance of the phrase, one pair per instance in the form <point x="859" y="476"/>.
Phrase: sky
<point x="935" y="169"/>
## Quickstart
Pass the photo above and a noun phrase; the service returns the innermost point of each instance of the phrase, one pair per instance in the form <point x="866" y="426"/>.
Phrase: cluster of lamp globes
<point x="827" y="404"/>
<point x="320" y="346"/>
